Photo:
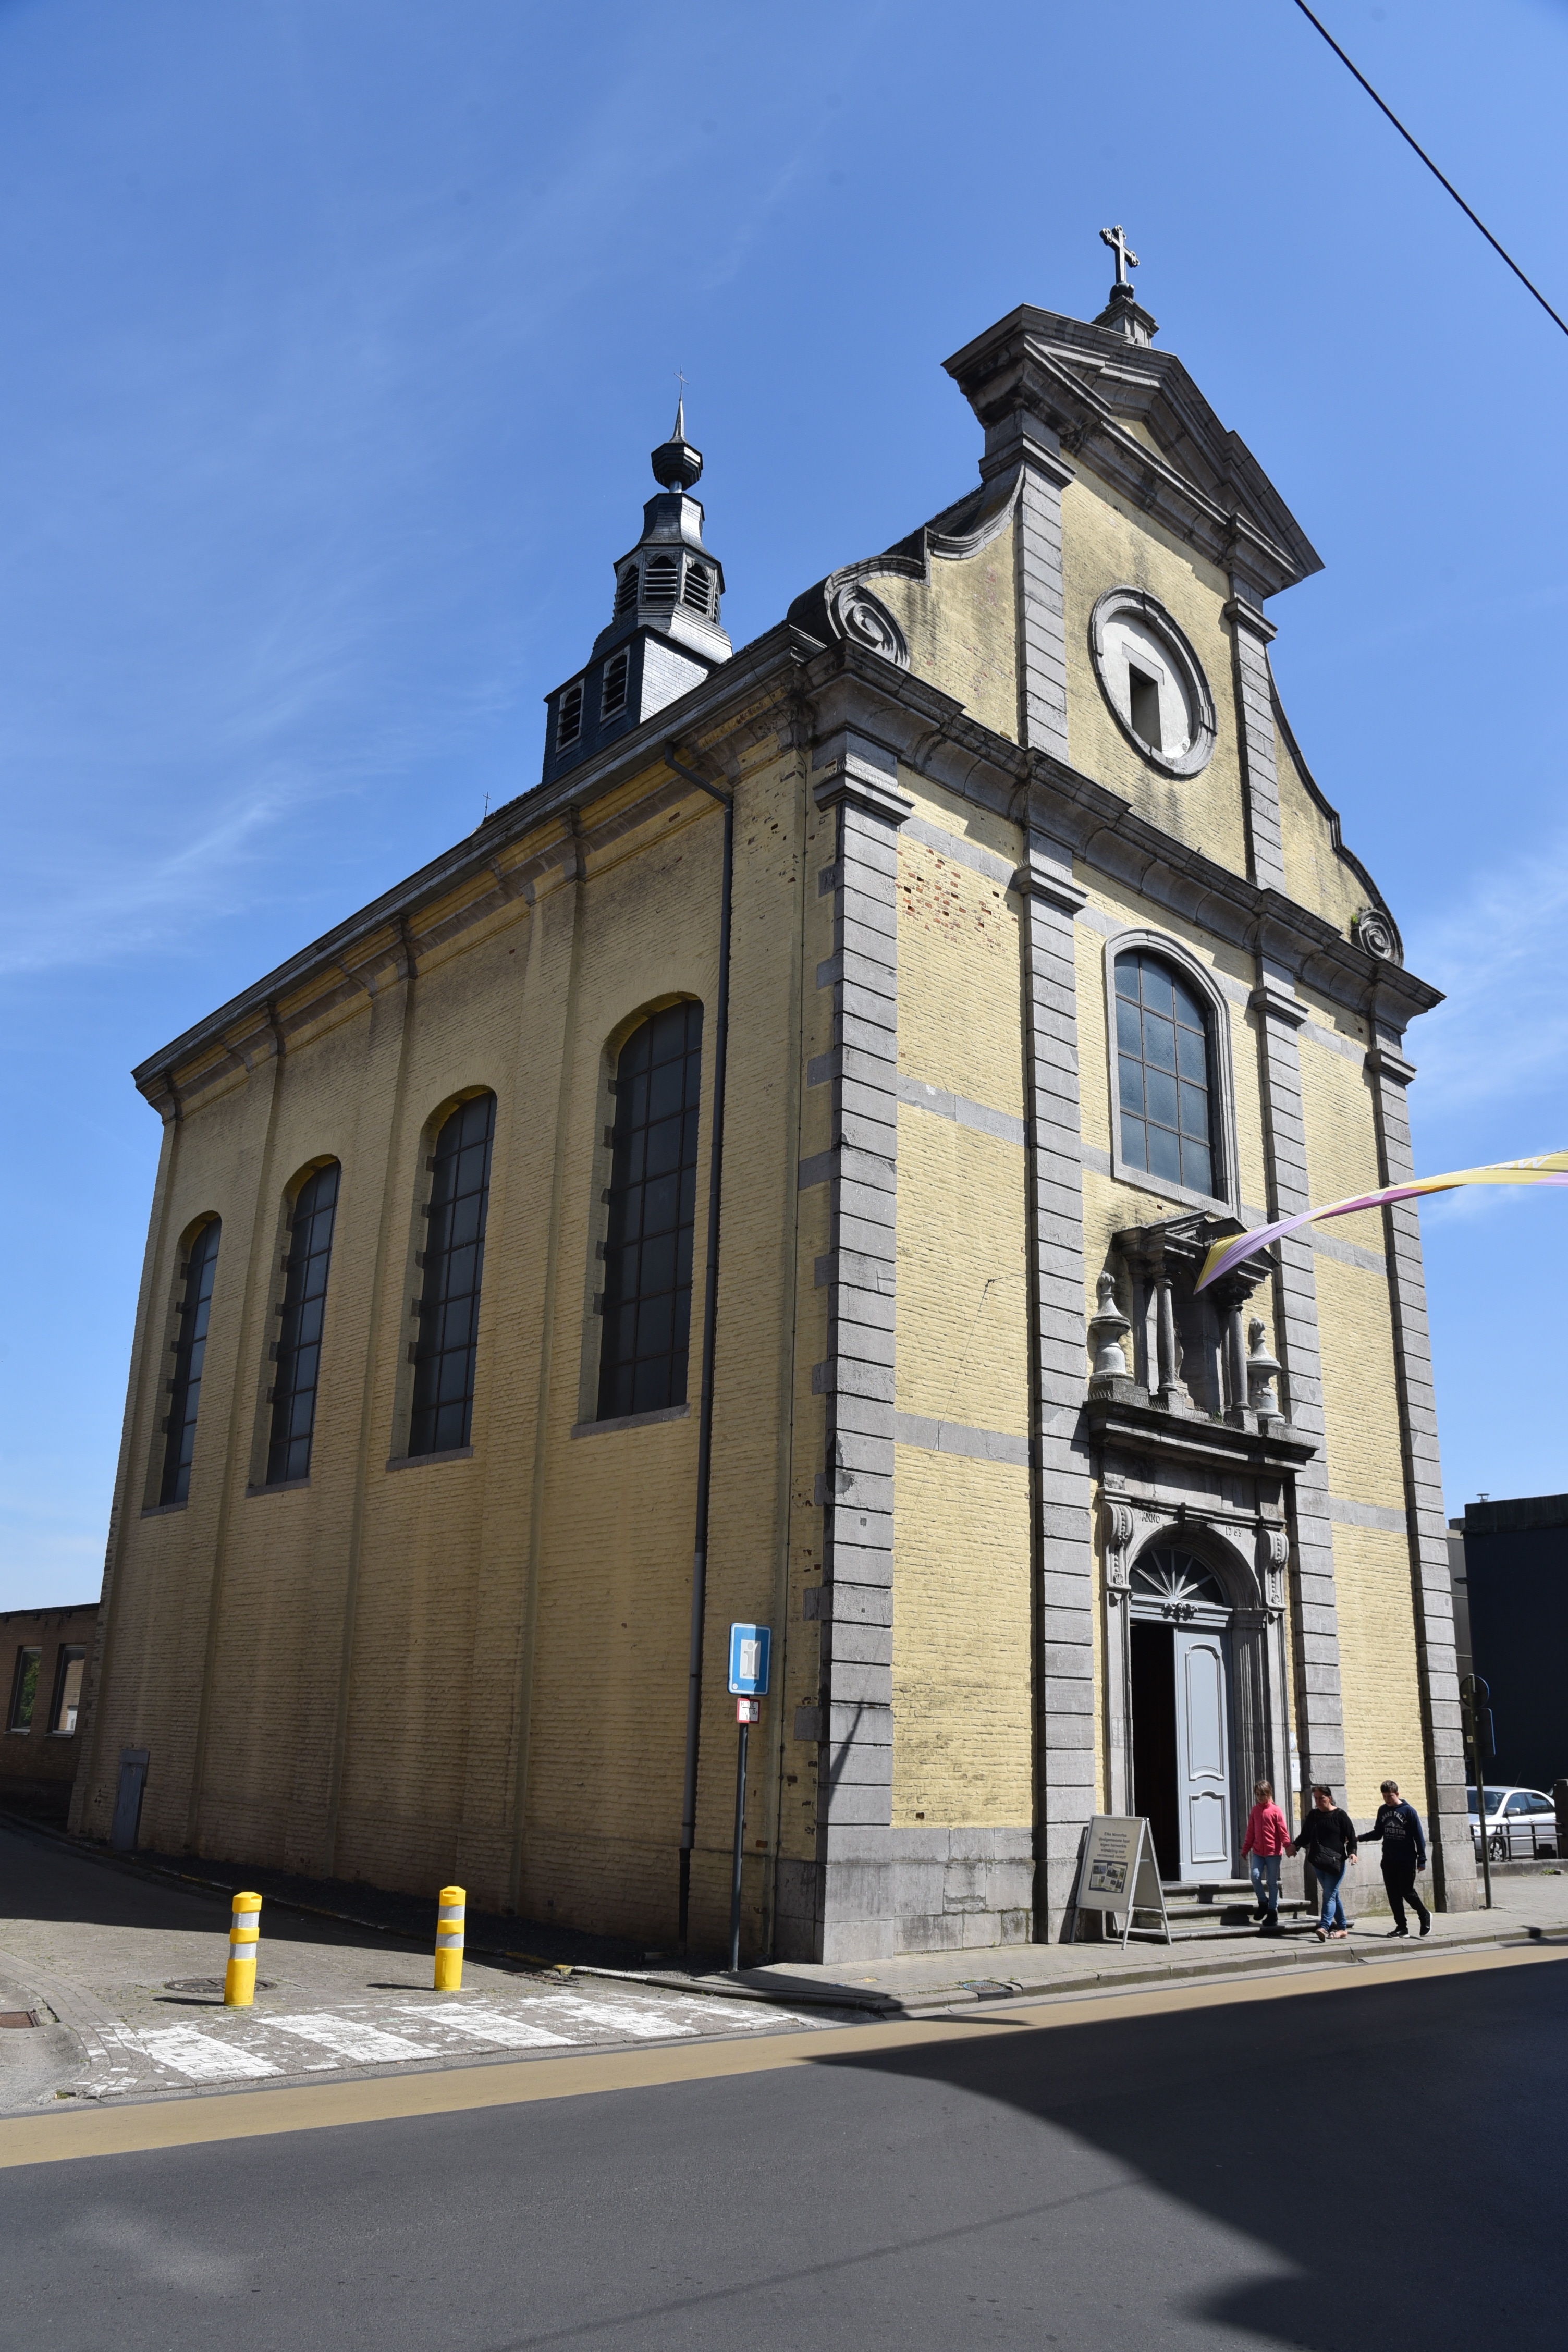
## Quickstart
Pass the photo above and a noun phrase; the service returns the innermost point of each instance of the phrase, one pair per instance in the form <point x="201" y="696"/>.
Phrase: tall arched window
<point x="1164" y="1073"/>
<point x="448" y="1346"/>
<point x="299" y="1341"/>
<point x="190" y="1349"/>
<point x="653" y="1208"/>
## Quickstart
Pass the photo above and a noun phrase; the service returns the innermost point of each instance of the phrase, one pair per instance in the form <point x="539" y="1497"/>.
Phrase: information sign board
<point x="750" y="1652"/>
<point x="1118" y="1874"/>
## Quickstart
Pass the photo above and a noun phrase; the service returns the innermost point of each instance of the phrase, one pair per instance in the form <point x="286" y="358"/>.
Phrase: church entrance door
<point x="1182" y="1762"/>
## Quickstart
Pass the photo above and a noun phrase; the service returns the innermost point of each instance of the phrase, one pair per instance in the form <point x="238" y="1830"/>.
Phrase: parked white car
<point x="1520" y="1825"/>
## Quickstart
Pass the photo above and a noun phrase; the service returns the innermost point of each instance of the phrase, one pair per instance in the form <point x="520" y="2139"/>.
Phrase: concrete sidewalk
<point x="123" y="1973"/>
<point x="1530" y="1899"/>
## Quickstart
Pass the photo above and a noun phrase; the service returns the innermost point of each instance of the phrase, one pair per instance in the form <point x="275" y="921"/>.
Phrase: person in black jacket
<point x="1398" y="1826"/>
<point x="1329" y="1842"/>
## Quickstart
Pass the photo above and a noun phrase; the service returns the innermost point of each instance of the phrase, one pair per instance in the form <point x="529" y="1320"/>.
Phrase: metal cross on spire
<point x="1126" y="258"/>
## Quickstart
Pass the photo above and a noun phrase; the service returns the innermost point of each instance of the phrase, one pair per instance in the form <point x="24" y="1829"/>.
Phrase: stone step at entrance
<point x="1214" y="1910"/>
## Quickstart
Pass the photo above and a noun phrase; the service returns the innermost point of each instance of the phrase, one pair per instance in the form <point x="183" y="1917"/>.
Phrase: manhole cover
<point x="17" y="2017"/>
<point x="211" y="1984"/>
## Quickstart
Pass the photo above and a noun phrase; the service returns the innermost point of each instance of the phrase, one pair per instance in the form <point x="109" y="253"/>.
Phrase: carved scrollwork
<point x="1273" y="1557"/>
<point x="1120" y="1529"/>
<point x="866" y="621"/>
<point x="1374" y="932"/>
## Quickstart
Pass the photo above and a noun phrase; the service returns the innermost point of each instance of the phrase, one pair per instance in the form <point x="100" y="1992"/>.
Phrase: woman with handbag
<point x="1328" y="1840"/>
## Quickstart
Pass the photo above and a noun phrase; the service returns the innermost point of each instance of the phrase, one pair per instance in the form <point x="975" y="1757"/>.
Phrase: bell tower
<point x="664" y="634"/>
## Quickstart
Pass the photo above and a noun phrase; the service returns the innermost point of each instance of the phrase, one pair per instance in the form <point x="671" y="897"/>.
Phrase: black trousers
<point x="1399" y="1877"/>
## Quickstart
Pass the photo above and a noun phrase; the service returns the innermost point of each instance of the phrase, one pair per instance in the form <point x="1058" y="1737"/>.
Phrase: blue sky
<point x="337" y="335"/>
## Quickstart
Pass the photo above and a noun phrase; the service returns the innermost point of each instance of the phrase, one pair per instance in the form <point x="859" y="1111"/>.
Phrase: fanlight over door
<point x="1171" y="1587"/>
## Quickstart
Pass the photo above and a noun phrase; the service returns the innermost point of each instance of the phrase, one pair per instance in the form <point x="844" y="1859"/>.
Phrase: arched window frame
<point x="1222" y="1100"/>
<point x="424" y="1300"/>
<point x="188" y="1328"/>
<point x="282" y="1366"/>
<point x="589" y="1422"/>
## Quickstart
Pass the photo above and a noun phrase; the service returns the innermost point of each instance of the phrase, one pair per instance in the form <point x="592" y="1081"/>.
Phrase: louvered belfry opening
<point x="190" y="1349"/>
<point x="625" y="592"/>
<point x="614" y="695"/>
<point x="653" y="1207"/>
<point x="446" y="1350"/>
<point x="569" y="717"/>
<point x="299" y="1339"/>
<point x="661" y="580"/>
<point x="698" y="593"/>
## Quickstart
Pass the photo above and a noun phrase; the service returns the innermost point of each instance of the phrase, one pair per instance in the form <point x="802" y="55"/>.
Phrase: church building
<point x="760" y="1176"/>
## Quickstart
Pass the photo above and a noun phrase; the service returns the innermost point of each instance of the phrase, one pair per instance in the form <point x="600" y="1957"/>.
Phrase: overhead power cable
<point x="1432" y="167"/>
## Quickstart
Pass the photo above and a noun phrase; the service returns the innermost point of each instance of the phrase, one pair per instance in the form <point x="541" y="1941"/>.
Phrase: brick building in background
<point x="761" y="1174"/>
<point x="43" y="1663"/>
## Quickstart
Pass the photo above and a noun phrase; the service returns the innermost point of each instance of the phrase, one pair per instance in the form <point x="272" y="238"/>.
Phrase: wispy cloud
<point x="1501" y="952"/>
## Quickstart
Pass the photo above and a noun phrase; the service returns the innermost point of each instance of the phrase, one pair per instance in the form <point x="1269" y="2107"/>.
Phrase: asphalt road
<point x="1377" y="2164"/>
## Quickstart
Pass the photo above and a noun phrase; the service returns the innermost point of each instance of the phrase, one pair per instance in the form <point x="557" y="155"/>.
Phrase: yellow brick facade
<point x="475" y="1665"/>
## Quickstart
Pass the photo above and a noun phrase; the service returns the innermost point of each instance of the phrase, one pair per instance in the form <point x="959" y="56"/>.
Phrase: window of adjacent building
<point x="447" y="1349"/>
<point x="661" y="581"/>
<point x="299" y="1339"/>
<point x="1163" y="1074"/>
<point x="190" y="1349"/>
<point x="24" y="1690"/>
<point x="568" y="716"/>
<point x="68" y="1690"/>
<point x="615" y="697"/>
<point x="627" y="592"/>
<point x="697" y="591"/>
<point x="653" y="1206"/>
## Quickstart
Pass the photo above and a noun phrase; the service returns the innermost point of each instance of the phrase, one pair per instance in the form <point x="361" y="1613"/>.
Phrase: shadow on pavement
<point x="1394" y="2145"/>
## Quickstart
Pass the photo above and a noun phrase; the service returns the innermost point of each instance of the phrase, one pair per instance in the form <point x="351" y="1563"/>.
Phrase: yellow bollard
<point x="450" y="1940"/>
<point x="243" y="1944"/>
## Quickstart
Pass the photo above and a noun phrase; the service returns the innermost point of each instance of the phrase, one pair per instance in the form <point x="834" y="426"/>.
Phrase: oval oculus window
<point x="1152" y="680"/>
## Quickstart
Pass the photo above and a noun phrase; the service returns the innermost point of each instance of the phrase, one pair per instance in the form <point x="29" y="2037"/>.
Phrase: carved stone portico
<point x="1192" y="1451"/>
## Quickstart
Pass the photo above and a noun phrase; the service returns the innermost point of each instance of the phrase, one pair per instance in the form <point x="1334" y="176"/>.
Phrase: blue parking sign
<point x="751" y="1648"/>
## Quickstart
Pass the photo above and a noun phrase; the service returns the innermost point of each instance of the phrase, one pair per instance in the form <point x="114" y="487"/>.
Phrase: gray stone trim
<point x="429" y="1460"/>
<point x="1249" y="636"/>
<point x="918" y="1888"/>
<point x="954" y="1437"/>
<point x="1060" y="1502"/>
<point x="1119" y="942"/>
<point x="1347" y="1513"/>
<point x="854" y="1780"/>
<point x="1041" y="651"/>
<point x="918" y="1096"/>
<point x="630" y="1421"/>
<point x="1333" y="1043"/>
<point x="1319" y="1720"/>
<point x="1091" y="1156"/>
<point x="961" y="852"/>
<point x="1453" y="1851"/>
<point x="1182" y="655"/>
<point x="1347" y="1253"/>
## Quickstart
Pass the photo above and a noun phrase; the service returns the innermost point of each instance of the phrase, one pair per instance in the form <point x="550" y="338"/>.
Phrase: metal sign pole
<point x="739" y="1842"/>
<point x="1473" y="1714"/>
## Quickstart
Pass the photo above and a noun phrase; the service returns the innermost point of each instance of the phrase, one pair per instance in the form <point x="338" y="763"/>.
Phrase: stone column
<point x="1449" y="1819"/>
<point x="1021" y="441"/>
<point x="855" y="1781"/>
<point x="1320" y="1721"/>
<point x="1059" y="1460"/>
<point x="1250" y="634"/>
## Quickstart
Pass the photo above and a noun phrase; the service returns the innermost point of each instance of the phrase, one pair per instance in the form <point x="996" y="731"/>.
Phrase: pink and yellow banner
<point x="1550" y="1167"/>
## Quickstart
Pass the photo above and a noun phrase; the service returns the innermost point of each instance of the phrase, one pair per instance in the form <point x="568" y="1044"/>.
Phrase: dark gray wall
<point x="1516" y="1571"/>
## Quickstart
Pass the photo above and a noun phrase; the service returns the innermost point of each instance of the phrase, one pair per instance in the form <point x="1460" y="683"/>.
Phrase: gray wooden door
<point x="1203" y="1754"/>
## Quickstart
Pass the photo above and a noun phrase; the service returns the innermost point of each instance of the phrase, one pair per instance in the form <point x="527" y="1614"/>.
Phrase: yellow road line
<point x="197" y="2120"/>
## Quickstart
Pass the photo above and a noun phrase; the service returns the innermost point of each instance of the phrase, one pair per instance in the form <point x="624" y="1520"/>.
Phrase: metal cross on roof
<point x="1126" y="258"/>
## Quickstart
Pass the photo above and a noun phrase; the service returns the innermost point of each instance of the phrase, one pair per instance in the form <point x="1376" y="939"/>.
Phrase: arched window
<point x="299" y="1341"/>
<point x="653" y="1207"/>
<point x="190" y="1349"/>
<point x="1164" y="1073"/>
<point x="445" y="1352"/>
<point x="1175" y="1583"/>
